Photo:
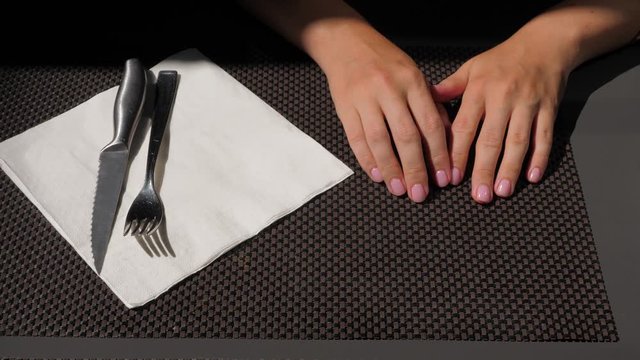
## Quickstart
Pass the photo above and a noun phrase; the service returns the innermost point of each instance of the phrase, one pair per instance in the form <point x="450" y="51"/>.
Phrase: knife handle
<point x="129" y="102"/>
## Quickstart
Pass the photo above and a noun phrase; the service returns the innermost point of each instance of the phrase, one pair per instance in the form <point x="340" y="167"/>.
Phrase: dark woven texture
<point x="354" y="263"/>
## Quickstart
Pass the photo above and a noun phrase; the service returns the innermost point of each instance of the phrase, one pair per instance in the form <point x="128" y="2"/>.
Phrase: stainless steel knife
<point x="114" y="158"/>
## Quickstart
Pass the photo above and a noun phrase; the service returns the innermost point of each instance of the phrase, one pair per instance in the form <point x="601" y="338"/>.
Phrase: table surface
<point x="605" y="143"/>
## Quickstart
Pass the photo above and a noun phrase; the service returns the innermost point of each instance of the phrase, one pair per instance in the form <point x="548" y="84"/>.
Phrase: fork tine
<point x="127" y="226"/>
<point x="142" y="226"/>
<point x="150" y="226"/>
<point x="156" y="225"/>
<point x="134" y="226"/>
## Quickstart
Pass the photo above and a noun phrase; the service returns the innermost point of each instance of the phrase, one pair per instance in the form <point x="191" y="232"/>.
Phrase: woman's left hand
<point x="510" y="94"/>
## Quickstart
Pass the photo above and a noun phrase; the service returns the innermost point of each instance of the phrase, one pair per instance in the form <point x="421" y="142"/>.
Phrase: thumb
<point x="453" y="86"/>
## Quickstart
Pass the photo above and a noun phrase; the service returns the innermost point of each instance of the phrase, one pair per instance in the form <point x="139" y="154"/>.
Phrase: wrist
<point x="556" y="48"/>
<point x="334" y="43"/>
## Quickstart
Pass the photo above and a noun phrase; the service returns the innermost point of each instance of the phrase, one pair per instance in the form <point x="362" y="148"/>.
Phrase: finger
<point x="409" y="145"/>
<point x="516" y="146"/>
<point x="453" y="86"/>
<point x="432" y="128"/>
<point x="446" y="121"/>
<point x="379" y="141"/>
<point x="542" y="140"/>
<point x="358" y="142"/>
<point x="444" y="116"/>
<point x="488" y="150"/>
<point x="463" y="132"/>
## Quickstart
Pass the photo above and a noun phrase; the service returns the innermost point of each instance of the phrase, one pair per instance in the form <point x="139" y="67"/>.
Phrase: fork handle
<point x="166" y="88"/>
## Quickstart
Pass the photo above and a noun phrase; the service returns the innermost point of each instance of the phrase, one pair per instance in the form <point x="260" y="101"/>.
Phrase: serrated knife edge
<point x="114" y="158"/>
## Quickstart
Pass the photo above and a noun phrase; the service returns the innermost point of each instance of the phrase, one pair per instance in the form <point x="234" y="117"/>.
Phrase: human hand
<point x="382" y="98"/>
<point x="510" y="94"/>
<point x="515" y="86"/>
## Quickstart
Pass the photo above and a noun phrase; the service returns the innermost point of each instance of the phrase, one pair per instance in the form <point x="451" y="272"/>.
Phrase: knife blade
<point x="114" y="158"/>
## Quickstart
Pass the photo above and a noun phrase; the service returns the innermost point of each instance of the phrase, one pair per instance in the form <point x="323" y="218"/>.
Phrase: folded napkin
<point x="230" y="166"/>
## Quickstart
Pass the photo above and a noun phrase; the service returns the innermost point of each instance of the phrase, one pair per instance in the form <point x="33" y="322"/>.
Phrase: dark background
<point x="111" y="31"/>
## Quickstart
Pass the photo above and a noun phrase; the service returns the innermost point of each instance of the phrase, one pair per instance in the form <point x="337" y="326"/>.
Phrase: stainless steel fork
<point x="147" y="212"/>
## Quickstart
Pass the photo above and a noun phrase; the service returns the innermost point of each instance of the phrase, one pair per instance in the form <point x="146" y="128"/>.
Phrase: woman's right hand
<point x="382" y="99"/>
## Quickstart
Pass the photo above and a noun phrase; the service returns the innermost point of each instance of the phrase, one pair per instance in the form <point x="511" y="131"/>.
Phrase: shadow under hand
<point x="587" y="79"/>
<point x="582" y="83"/>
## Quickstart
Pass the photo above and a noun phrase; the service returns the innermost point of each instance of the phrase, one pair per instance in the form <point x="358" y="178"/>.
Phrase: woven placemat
<point x="354" y="263"/>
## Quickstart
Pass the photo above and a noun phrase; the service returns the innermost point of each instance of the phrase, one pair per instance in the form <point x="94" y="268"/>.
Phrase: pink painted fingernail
<point x="441" y="178"/>
<point x="456" y="176"/>
<point x="418" y="193"/>
<point x="504" y="188"/>
<point x="397" y="188"/>
<point x="535" y="175"/>
<point x="376" y="175"/>
<point x="484" y="193"/>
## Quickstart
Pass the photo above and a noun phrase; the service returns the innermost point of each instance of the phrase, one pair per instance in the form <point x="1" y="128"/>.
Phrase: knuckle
<point x="414" y="172"/>
<point x="382" y="78"/>
<point x="475" y="87"/>
<point x="529" y="98"/>
<point x="472" y="96"/>
<point x="501" y="92"/>
<point x="459" y="154"/>
<point x="431" y="124"/>
<point x="365" y="160"/>
<point x="439" y="158"/>
<point x="502" y="97"/>
<point x="377" y="135"/>
<point x="552" y="103"/>
<point x="488" y="145"/>
<point x="490" y="139"/>
<point x="546" y="134"/>
<point x="461" y="126"/>
<point x="481" y="82"/>
<point x="510" y="171"/>
<point x="519" y="138"/>
<point x="509" y="85"/>
<point x="389" y="166"/>
<point x="356" y="138"/>
<point x="407" y="134"/>
<point x="413" y="76"/>
<point x="483" y="173"/>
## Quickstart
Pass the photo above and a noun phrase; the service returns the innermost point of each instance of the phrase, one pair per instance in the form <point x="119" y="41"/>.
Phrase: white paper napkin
<point x="231" y="166"/>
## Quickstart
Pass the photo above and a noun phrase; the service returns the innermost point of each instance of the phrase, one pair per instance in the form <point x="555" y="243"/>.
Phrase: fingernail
<point x="456" y="176"/>
<point x="418" y="193"/>
<point x="483" y="193"/>
<point x="441" y="178"/>
<point x="504" y="188"/>
<point x="535" y="175"/>
<point x="397" y="188"/>
<point x="376" y="175"/>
